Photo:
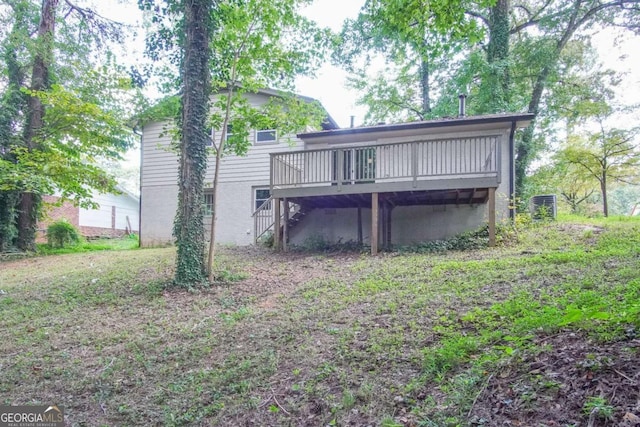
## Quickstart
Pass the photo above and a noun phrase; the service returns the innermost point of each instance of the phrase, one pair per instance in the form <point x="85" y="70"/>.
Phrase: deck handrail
<point x="388" y="162"/>
<point x="263" y="218"/>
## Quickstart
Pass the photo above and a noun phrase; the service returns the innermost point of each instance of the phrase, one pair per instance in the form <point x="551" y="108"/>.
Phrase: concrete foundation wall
<point x="235" y="221"/>
<point x="158" y="209"/>
<point x="332" y="226"/>
<point x="410" y="224"/>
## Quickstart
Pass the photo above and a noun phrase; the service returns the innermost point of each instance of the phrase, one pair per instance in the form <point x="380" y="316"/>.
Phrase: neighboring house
<point x="116" y="215"/>
<point x="390" y="184"/>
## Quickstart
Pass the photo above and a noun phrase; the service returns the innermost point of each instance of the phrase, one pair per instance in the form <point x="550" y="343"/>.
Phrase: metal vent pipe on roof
<point x="462" y="105"/>
<point x="353" y="119"/>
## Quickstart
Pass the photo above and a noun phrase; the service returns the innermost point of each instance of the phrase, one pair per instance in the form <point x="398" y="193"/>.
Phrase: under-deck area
<point x="289" y="212"/>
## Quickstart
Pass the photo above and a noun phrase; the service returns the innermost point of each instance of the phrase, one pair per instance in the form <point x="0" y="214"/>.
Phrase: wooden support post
<point x="285" y="224"/>
<point x="360" y="226"/>
<point x="276" y="224"/>
<point x="374" y="223"/>
<point x="492" y="216"/>
<point x="383" y="225"/>
<point x="387" y="243"/>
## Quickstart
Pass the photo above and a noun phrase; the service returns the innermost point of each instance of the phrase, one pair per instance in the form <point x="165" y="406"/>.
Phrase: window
<point x="210" y="134"/>
<point x="261" y="196"/>
<point x="266" y="136"/>
<point x="216" y="134"/>
<point x="207" y="203"/>
<point x="229" y="132"/>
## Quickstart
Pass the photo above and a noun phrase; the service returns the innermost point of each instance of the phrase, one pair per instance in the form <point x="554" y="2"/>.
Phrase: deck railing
<point x="264" y="220"/>
<point x="405" y="161"/>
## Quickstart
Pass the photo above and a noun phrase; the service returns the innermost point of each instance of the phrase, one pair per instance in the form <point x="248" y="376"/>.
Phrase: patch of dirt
<point x="575" y="382"/>
<point x="273" y="275"/>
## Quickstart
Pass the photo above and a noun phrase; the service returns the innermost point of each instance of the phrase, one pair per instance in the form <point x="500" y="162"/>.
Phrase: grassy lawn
<point x="542" y="330"/>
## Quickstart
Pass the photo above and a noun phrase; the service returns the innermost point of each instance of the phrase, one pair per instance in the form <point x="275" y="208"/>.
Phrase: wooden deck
<point x="429" y="165"/>
<point x="381" y="177"/>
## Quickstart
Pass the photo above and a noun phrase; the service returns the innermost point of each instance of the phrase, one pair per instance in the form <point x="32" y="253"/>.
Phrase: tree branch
<point x="478" y="15"/>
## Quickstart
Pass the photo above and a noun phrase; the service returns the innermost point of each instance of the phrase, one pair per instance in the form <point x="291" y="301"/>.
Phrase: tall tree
<point x="36" y="149"/>
<point x="494" y="91"/>
<point x="259" y="44"/>
<point x="196" y="87"/>
<point x="29" y="203"/>
<point x="13" y="103"/>
<point x="608" y="155"/>
<point x="559" y="22"/>
<point x="253" y="45"/>
<point x="596" y="148"/>
<point x="509" y="69"/>
<point x="416" y="40"/>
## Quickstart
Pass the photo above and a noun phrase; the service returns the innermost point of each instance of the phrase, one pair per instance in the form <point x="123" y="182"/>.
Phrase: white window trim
<point x="207" y="207"/>
<point x="271" y="141"/>
<point x="216" y="134"/>
<point x="212" y="135"/>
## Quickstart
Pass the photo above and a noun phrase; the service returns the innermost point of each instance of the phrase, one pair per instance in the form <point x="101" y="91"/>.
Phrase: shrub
<point x="62" y="232"/>
<point x="469" y="240"/>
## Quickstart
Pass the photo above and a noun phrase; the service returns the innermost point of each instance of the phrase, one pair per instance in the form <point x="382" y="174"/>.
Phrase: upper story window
<point x="262" y="136"/>
<point x="214" y="135"/>
<point x="229" y="132"/>
<point x="265" y="136"/>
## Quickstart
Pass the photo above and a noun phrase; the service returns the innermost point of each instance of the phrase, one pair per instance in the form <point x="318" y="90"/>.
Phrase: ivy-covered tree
<point x="253" y="45"/>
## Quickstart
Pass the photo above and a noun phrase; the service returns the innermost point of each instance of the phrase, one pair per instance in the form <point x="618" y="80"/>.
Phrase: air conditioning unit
<point x="543" y="206"/>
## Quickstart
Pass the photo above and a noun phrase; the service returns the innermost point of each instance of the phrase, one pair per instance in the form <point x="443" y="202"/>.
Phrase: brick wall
<point x="101" y="232"/>
<point x="53" y="213"/>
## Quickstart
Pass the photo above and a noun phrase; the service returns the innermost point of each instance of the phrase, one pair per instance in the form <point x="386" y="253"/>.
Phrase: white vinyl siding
<point x="160" y="164"/>
<point x="102" y="216"/>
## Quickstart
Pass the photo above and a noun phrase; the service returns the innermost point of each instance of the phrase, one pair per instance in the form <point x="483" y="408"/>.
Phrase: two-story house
<point x="379" y="185"/>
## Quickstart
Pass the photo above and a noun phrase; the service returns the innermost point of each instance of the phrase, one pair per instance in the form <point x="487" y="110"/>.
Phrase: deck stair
<point x="264" y="221"/>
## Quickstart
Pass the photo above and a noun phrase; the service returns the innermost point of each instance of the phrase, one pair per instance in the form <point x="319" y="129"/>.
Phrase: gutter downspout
<point x="512" y="172"/>
<point x="140" y="190"/>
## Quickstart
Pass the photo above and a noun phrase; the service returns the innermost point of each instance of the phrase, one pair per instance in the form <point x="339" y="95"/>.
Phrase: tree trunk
<point x="494" y="91"/>
<point x="15" y="103"/>
<point x="425" y="86"/>
<point x="29" y="203"/>
<point x="216" y="176"/>
<point x="524" y="149"/>
<point x="8" y="201"/>
<point x="603" y="188"/>
<point x="188" y="226"/>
